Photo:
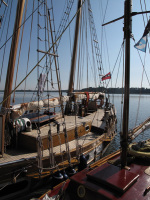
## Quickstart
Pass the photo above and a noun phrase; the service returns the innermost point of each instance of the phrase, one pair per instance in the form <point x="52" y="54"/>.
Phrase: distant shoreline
<point x="35" y="91"/>
<point x="101" y="89"/>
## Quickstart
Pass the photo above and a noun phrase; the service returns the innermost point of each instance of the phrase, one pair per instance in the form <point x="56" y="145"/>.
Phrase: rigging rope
<point x="29" y="50"/>
<point x="64" y="18"/>
<point x="57" y="68"/>
<point x="116" y="61"/>
<point x="122" y="89"/>
<point x="6" y="39"/>
<point x="50" y="139"/>
<point x="86" y="38"/>
<point x="107" y="52"/>
<point x="70" y="38"/>
<point x="105" y="12"/>
<point x="43" y="56"/>
<point x="21" y="25"/>
<point x="144" y="71"/>
<point x="81" y="52"/>
<point x="106" y="45"/>
<point x="60" y="96"/>
<point x="4" y="21"/>
<point x="39" y="139"/>
<point x="144" y="20"/>
<point x="94" y="65"/>
<point x="95" y="40"/>
<point x="61" y="27"/>
<point x="143" y="67"/>
<point x="119" y="66"/>
<point x="140" y="93"/>
<point x="79" y="57"/>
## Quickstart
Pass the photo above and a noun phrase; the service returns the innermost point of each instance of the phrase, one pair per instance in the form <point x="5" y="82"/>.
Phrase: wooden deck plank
<point x="28" y="140"/>
<point x="96" y="118"/>
<point x="11" y="156"/>
<point x="70" y="123"/>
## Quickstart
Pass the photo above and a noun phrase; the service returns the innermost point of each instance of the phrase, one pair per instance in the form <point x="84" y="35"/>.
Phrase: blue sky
<point x="113" y="33"/>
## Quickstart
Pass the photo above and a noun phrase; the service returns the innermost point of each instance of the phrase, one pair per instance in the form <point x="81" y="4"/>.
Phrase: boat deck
<point x="108" y="181"/>
<point x="14" y="155"/>
<point x="71" y="122"/>
<point x="96" y="120"/>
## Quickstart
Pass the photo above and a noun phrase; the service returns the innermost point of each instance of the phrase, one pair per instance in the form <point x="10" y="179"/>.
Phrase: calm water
<point x="139" y="111"/>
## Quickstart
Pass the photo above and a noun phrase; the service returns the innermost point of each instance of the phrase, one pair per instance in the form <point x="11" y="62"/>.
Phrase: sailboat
<point x="124" y="174"/>
<point x="38" y="144"/>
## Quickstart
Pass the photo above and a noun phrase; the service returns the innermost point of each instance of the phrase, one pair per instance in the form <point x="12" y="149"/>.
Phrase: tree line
<point x="102" y="89"/>
<point x="117" y="90"/>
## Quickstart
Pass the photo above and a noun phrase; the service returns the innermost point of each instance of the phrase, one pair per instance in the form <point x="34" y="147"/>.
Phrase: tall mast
<point x="127" y="32"/>
<point x="13" y="53"/>
<point x="74" y="55"/>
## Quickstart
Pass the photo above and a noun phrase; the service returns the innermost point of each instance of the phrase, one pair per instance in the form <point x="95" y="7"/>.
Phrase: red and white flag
<point x="107" y="76"/>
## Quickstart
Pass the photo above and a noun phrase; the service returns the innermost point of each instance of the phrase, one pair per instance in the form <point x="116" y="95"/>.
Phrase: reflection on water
<point x="139" y="112"/>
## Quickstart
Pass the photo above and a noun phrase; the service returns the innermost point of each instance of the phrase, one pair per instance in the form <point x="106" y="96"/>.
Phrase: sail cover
<point x="42" y="81"/>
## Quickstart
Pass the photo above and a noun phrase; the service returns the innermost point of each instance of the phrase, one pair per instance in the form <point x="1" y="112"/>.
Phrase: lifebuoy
<point x="141" y="149"/>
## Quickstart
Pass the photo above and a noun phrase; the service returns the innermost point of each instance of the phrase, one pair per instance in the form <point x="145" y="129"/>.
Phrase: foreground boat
<point x="106" y="180"/>
<point x="40" y="146"/>
<point x="124" y="174"/>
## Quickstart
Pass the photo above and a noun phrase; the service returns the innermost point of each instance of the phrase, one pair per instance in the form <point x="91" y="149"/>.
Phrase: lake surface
<point x="139" y="112"/>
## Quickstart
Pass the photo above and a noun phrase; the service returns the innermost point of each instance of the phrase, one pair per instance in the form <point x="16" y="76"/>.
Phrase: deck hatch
<point x="113" y="177"/>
